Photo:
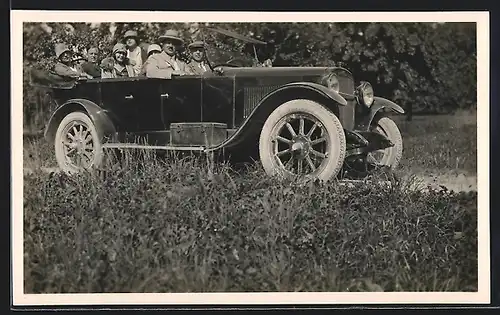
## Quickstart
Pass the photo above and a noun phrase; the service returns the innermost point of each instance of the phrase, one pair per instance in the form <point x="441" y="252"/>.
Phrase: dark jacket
<point x="92" y="68"/>
<point x="65" y="71"/>
<point x="194" y="67"/>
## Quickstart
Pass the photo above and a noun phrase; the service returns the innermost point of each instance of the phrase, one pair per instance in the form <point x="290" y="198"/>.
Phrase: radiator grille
<point x="253" y="95"/>
<point x="346" y="83"/>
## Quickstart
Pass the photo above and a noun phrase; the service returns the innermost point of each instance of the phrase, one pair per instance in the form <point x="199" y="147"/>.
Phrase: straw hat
<point x="171" y="34"/>
<point x="60" y="49"/>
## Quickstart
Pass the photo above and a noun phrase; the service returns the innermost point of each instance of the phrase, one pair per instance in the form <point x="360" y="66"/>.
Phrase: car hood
<point x="273" y="71"/>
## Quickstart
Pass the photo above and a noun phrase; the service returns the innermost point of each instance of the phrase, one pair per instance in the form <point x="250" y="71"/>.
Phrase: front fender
<point x="379" y="103"/>
<point x="296" y="90"/>
<point x="103" y="124"/>
<point x="320" y="88"/>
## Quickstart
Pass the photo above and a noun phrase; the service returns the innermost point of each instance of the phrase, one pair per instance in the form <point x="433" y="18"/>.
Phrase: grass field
<point x="153" y="226"/>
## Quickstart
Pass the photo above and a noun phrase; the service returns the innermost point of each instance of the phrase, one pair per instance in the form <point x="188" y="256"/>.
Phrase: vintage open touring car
<point x="298" y="121"/>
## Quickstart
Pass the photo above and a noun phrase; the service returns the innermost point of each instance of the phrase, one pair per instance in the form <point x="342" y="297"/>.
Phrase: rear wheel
<point x="389" y="157"/>
<point x="77" y="145"/>
<point x="302" y="138"/>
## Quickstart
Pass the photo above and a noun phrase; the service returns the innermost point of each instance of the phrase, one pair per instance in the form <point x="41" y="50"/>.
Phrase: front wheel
<point x="302" y="138"/>
<point x="77" y="145"/>
<point x="389" y="157"/>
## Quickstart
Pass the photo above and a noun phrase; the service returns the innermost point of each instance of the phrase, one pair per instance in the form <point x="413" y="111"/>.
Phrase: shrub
<point x="426" y="67"/>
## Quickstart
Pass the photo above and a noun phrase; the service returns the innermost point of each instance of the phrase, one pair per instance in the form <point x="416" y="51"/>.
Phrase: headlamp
<point x="365" y="94"/>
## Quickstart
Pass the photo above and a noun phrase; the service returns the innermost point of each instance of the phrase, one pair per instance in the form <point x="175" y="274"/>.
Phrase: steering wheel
<point x="231" y="63"/>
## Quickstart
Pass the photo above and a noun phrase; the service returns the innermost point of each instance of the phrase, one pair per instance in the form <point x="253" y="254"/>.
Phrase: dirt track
<point x="458" y="182"/>
<point x="455" y="182"/>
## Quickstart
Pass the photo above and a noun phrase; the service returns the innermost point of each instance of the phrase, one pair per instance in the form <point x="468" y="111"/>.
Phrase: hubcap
<point x="301" y="144"/>
<point x="78" y="145"/>
<point x="377" y="156"/>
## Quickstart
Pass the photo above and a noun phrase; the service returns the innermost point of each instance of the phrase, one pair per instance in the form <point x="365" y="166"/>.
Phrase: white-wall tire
<point x="389" y="157"/>
<point x="317" y="142"/>
<point x="77" y="135"/>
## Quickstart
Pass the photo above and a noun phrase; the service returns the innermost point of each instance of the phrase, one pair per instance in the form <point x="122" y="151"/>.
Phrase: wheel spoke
<point x="311" y="130"/>
<point x="68" y="144"/>
<point x="318" y="154"/>
<point x="290" y="128"/>
<point x="288" y="162"/>
<point x="72" y="137"/>
<point x="75" y="131"/>
<point x="311" y="164"/>
<point x="88" y="155"/>
<point x="301" y="126"/>
<point x="79" y="159"/>
<point x="319" y="140"/>
<point x="299" y="167"/>
<point x="88" y="136"/>
<point x="282" y="139"/>
<point x="280" y="153"/>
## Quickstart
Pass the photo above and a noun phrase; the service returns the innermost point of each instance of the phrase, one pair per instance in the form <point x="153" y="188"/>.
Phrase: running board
<point x="151" y="147"/>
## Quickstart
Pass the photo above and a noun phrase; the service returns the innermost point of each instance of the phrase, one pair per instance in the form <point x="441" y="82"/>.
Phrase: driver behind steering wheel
<point x="198" y="64"/>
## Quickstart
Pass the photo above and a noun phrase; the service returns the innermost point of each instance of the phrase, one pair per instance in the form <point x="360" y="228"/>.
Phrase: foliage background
<point x="428" y="68"/>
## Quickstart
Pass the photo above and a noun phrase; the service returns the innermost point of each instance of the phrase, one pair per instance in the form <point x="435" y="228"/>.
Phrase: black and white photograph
<point x="246" y="158"/>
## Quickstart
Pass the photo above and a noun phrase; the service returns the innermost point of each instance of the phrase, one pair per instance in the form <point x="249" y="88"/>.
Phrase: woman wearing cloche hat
<point x="153" y="49"/>
<point x="136" y="52"/>
<point x="64" y="66"/>
<point x="118" y="65"/>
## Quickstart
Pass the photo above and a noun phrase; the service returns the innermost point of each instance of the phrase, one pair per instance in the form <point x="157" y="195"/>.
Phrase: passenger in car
<point x="153" y="49"/>
<point x="136" y="52"/>
<point x="166" y="63"/>
<point x="118" y="65"/>
<point x="91" y="66"/>
<point x="65" y="66"/>
<point x="198" y="64"/>
<point x="78" y="60"/>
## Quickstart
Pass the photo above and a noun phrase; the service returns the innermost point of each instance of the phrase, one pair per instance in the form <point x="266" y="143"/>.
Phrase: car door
<point x="181" y="99"/>
<point x="134" y="102"/>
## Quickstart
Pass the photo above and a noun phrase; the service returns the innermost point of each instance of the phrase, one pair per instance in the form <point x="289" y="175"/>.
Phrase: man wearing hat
<point x="166" y="63"/>
<point x="91" y="66"/>
<point x="135" y="53"/>
<point x="64" y="66"/>
<point x="198" y="64"/>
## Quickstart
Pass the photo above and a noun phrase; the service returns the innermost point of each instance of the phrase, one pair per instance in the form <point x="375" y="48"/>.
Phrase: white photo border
<point x="19" y="298"/>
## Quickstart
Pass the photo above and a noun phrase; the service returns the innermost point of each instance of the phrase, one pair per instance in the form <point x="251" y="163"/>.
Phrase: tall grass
<point x="148" y="225"/>
<point x="440" y="143"/>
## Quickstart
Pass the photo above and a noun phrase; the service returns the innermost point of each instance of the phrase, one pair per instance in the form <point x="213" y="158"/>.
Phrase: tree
<point x="425" y="67"/>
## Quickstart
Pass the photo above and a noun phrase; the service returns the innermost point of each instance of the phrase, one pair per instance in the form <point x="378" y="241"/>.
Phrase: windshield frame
<point x="238" y="37"/>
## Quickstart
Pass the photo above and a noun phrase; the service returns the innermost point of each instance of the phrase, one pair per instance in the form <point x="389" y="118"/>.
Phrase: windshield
<point x="225" y="48"/>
